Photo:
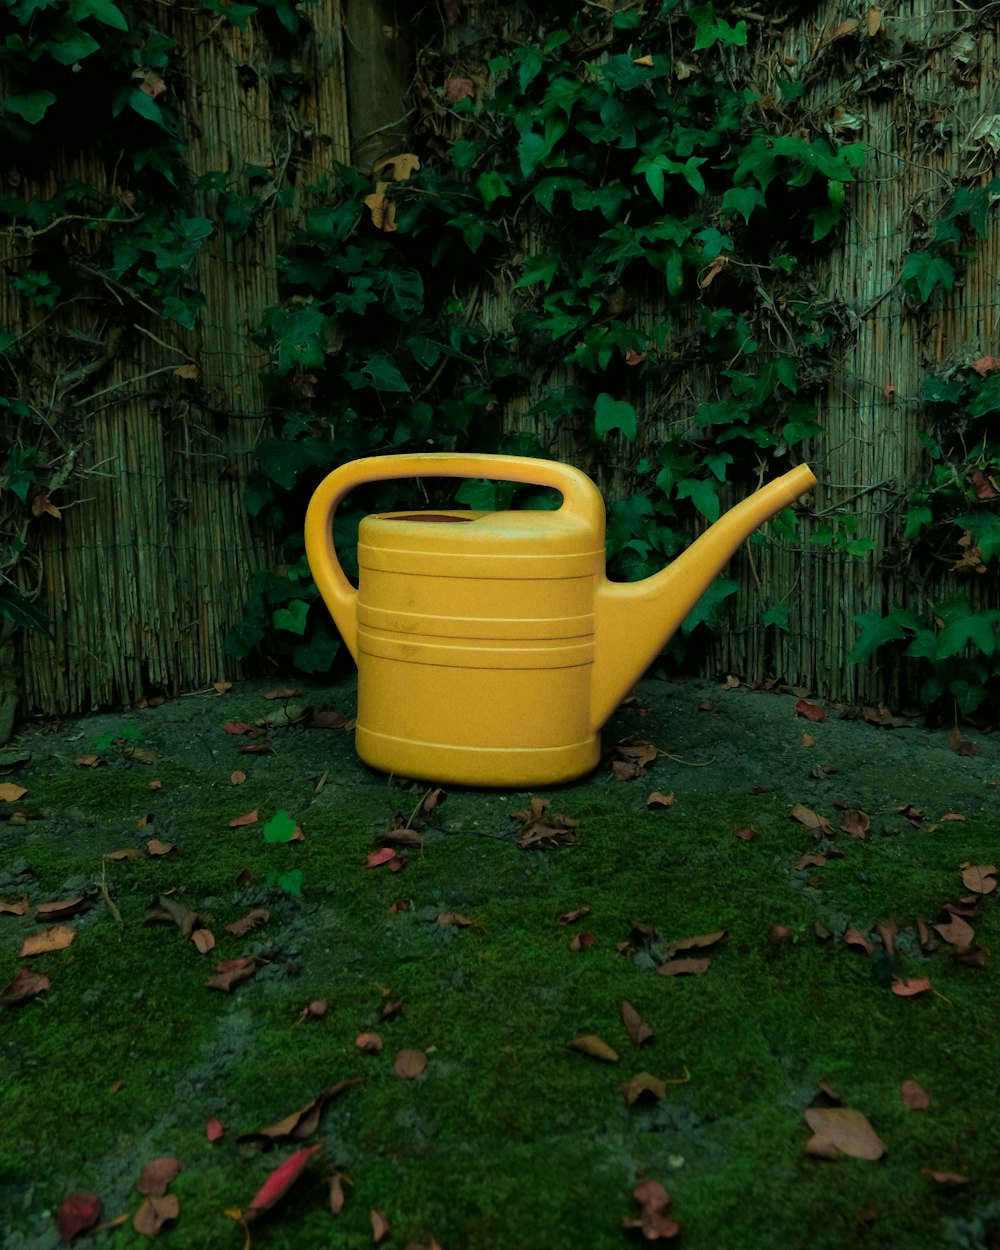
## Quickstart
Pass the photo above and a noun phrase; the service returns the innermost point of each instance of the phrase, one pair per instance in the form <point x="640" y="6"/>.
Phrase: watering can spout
<point x="634" y="620"/>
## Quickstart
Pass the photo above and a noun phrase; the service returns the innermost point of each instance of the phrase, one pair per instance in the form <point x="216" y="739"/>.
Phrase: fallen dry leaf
<point x="381" y="1227"/>
<point x="301" y="1123"/>
<point x="946" y="1178"/>
<point x="241" y="927"/>
<point x="700" y="942"/>
<point x="284" y="693"/>
<point x="832" y="33"/>
<point x="957" y="932"/>
<point x="658" y="799"/>
<point x="155" y="847"/>
<point x="809" y="710"/>
<point x="377" y="858"/>
<point x="594" y="1046"/>
<point x="979" y="878"/>
<point x="326" y="719"/>
<point x="638" y="1030"/>
<point x="853" y="937"/>
<point x="55" y="938"/>
<point x="960" y="744"/>
<point x="842" y="1130"/>
<point x="77" y="1213"/>
<point x="684" y="967"/>
<point x="279" y="1182"/>
<point x="204" y="940"/>
<point x="653" y="1200"/>
<point x="913" y="985"/>
<point x="914" y="1096"/>
<point x="157" y="1175"/>
<point x="154" y="1213"/>
<point x="569" y="917"/>
<point x="25" y="985"/>
<point x="744" y="834"/>
<point x="808" y="740"/>
<point x="409" y="1063"/>
<point x="643" y="1087"/>
<point x="887" y="932"/>
<point x="806" y="816"/>
<point x="237" y="777"/>
<point x="809" y="860"/>
<point x="855" y="823"/>
<point x="10" y="792"/>
<point x="315" y="1010"/>
<point x="369" y="1043"/>
<point x="231" y="972"/>
<point x="128" y="853"/>
<point x="62" y="908"/>
<point x="873" y="20"/>
<point x="214" y="1129"/>
<point x="540" y="831"/>
<point x="580" y="940"/>
<point x="337" y="1192"/>
<point x="248" y="818"/>
<point x="20" y="908"/>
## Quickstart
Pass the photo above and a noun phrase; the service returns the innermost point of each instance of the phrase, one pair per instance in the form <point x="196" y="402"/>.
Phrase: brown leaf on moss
<point x="809" y="860"/>
<point x="369" y="1043"/>
<point x="157" y="1175"/>
<point x="700" y="942"/>
<point x="204" y="940"/>
<point x="909" y="987"/>
<point x="946" y="1178"/>
<point x="154" y="1213"/>
<point x="409" y="1063"/>
<point x="10" y="792"/>
<point x="248" y="818"/>
<point x="381" y="1227"/>
<point x="232" y="972"/>
<point x="155" y="847"/>
<point x="659" y="799"/>
<point x="541" y="831"/>
<point x="684" y="967"/>
<point x="979" y="878"/>
<point x="301" y="1123"/>
<point x="20" y="908"/>
<point x="25" y="985"/>
<point x="569" y="917"/>
<point x="62" y="908"/>
<point x="55" y="938"/>
<point x="337" y="1192"/>
<point x="810" y="711"/>
<point x="812" y="820"/>
<point x="241" y="927"/>
<point x="594" y="1046"/>
<point x="855" y="823"/>
<point x="582" y="939"/>
<point x="914" y="1096"/>
<point x="638" y="1030"/>
<point x="960" y="744"/>
<point x="844" y="1130"/>
<point x="853" y="937"/>
<point x="957" y="932"/>
<point x="653" y="1200"/>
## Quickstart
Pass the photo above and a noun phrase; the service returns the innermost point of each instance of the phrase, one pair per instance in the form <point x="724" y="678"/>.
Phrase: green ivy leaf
<point x="708" y="609"/>
<point x="74" y="47"/>
<point x="103" y="10"/>
<point x="778" y="616"/>
<point x="703" y="494"/>
<point x="384" y="375"/>
<point x="924" y="272"/>
<point x="491" y="187"/>
<point x="876" y="630"/>
<point x="16" y="608"/>
<point x="292" y="617"/>
<point x="404" y="294"/>
<point x="32" y="107"/>
<point x="977" y="629"/>
<point x="280" y="828"/>
<point x="538" y="269"/>
<point x="614" y="414"/>
<point x="316" y="655"/>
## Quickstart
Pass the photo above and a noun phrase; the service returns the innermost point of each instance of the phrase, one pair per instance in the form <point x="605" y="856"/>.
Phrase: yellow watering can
<point x="490" y="646"/>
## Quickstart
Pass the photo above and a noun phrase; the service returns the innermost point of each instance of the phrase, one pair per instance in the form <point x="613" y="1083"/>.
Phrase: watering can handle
<point x="580" y="497"/>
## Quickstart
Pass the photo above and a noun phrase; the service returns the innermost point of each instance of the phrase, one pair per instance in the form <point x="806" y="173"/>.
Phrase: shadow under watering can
<point x="491" y="647"/>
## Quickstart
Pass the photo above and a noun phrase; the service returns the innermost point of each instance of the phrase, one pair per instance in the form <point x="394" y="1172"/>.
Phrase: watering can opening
<point x="430" y="516"/>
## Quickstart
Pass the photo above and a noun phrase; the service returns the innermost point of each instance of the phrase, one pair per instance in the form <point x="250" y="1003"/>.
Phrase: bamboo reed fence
<point x="152" y="560"/>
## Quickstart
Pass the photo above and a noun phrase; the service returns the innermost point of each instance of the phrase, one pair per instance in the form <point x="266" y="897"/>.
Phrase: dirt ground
<point x="726" y="752"/>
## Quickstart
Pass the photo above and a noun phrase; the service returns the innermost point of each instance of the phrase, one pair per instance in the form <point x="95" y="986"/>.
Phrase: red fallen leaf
<point x="241" y="927"/>
<point x="581" y="940"/>
<point x="369" y="1043"/>
<point x="55" y="938"/>
<point x="980" y="878"/>
<point x="568" y="917"/>
<point x="76" y="1214"/>
<point x="157" y="1175"/>
<point x="380" y="1224"/>
<point x="23" y="987"/>
<point x="20" y="908"/>
<point x="809" y="710"/>
<point x="855" y="823"/>
<point x="248" y="818"/>
<point x="946" y="1178"/>
<point x="684" y="967"/>
<point x="914" y="1096"/>
<point x="637" y="1028"/>
<point x="279" y="1182"/>
<point x="806" y="816"/>
<point x="214" y="1129"/>
<point x="960" y="744"/>
<point x="379" y="857"/>
<point x="911" y="986"/>
<point x="409" y="1063"/>
<point x="853" y="937"/>
<point x="653" y="1199"/>
<point x="237" y="727"/>
<point x="746" y="834"/>
<point x="957" y="932"/>
<point x="842" y="1130"/>
<point x="282" y="694"/>
<point x="231" y="972"/>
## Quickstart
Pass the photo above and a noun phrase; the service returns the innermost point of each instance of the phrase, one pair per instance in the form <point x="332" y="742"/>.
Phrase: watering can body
<point x="490" y="646"/>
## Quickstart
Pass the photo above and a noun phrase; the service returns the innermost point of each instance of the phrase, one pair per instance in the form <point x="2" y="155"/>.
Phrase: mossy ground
<point x="509" y="1138"/>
